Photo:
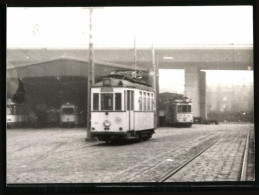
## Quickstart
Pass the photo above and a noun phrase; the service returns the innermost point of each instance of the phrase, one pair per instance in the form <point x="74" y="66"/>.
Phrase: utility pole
<point x="91" y="47"/>
<point x="135" y="53"/>
<point x="90" y="78"/>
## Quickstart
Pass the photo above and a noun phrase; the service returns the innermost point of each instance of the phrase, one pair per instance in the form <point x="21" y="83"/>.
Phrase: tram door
<point x="130" y="108"/>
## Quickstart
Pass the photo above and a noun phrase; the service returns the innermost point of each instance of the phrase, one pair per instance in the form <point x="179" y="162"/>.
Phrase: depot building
<point x="52" y="77"/>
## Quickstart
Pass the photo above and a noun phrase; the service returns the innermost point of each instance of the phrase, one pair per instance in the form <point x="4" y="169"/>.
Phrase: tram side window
<point x="152" y="101"/>
<point x="95" y="101"/>
<point x="125" y="100"/>
<point x="148" y="102"/>
<point x="106" y="101"/>
<point x="128" y="100"/>
<point x="140" y="101"/>
<point x="117" y="101"/>
<point x="144" y="101"/>
<point x="132" y="100"/>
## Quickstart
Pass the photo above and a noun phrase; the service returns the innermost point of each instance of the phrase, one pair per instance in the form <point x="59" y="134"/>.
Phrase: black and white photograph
<point x="130" y="94"/>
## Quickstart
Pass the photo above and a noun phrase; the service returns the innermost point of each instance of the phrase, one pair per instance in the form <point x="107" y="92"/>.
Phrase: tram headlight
<point x="106" y="123"/>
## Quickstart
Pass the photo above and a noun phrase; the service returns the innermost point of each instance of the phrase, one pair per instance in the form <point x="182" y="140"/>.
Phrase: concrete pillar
<point x="202" y="91"/>
<point x="195" y="89"/>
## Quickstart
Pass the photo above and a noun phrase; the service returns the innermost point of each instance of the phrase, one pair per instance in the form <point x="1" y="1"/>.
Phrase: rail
<point x="171" y="173"/>
<point x="245" y="158"/>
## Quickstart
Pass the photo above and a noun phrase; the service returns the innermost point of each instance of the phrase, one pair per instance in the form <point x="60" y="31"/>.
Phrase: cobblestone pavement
<point x="221" y="162"/>
<point x="55" y="155"/>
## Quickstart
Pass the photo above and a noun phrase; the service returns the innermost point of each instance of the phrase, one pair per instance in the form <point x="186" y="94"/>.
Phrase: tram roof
<point x="126" y="82"/>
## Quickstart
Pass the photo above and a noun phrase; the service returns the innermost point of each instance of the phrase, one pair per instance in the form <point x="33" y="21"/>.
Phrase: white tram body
<point x="68" y="115"/>
<point x="179" y="112"/>
<point x="15" y="114"/>
<point x="122" y="109"/>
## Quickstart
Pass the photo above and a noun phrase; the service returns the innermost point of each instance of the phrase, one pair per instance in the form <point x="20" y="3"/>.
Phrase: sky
<point x="117" y="27"/>
<point x="173" y="80"/>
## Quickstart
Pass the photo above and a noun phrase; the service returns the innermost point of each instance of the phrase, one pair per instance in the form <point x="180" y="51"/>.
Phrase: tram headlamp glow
<point x="106" y="123"/>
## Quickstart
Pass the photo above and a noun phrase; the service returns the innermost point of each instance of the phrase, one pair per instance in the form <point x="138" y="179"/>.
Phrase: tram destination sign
<point x="106" y="89"/>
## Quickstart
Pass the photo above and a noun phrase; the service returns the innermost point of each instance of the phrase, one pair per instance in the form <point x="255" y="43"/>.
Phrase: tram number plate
<point x="106" y="89"/>
<point x="106" y="128"/>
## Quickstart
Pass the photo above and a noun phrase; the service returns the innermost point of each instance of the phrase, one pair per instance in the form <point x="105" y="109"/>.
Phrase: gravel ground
<point x="55" y="155"/>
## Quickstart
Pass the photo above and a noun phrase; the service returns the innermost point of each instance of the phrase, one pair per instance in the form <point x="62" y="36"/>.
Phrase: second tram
<point x="16" y="115"/>
<point x="178" y="112"/>
<point x="68" y="115"/>
<point x="122" y="108"/>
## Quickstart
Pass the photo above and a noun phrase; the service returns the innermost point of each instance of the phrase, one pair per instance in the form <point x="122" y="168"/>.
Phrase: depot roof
<point x="206" y="56"/>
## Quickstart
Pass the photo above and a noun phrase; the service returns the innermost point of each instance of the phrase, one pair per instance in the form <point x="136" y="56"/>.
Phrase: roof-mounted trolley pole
<point x="135" y="53"/>
<point x="90" y="78"/>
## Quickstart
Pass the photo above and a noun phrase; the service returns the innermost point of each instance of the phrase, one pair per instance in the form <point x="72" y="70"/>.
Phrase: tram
<point x="52" y="116"/>
<point x="16" y="114"/>
<point x="178" y="112"/>
<point x="68" y="114"/>
<point x="122" y="108"/>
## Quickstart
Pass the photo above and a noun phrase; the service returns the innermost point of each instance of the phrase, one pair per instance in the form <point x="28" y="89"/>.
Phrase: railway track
<point x="151" y="169"/>
<point x="170" y="174"/>
<point x="243" y="171"/>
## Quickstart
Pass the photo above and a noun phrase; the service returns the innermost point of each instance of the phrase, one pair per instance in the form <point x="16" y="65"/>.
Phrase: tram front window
<point x="184" y="108"/>
<point x="117" y="101"/>
<point x="106" y="101"/>
<point x="8" y="111"/>
<point x="68" y="111"/>
<point x="189" y="108"/>
<point x="96" y="101"/>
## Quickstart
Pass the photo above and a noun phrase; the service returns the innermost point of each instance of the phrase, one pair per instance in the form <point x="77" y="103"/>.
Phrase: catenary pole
<point x="154" y="83"/>
<point x="90" y="78"/>
<point x="157" y="91"/>
<point x="135" y="53"/>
